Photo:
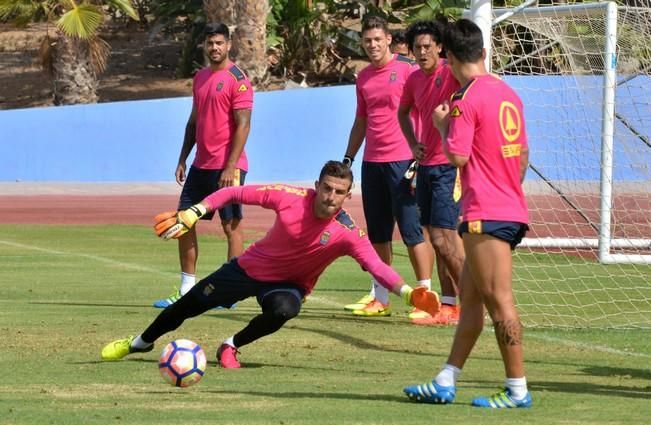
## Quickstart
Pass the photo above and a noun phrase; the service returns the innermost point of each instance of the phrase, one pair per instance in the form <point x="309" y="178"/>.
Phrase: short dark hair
<point x="433" y="28"/>
<point x="336" y="169"/>
<point x="213" y="28"/>
<point x="371" y="22"/>
<point x="398" y="37"/>
<point x="464" y="40"/>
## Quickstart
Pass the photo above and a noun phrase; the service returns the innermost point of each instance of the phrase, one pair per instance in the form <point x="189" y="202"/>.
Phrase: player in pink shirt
<point x="310" y="232"/>
<point x="387" y="196"/>
<point x="219" y="126"/>
<point x="484" y="135"/>
<point x="425" y="89"/>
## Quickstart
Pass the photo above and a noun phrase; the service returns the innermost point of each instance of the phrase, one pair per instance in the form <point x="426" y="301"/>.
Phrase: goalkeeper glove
<point x="421" y="298"/>
<point x="174" y="224"/>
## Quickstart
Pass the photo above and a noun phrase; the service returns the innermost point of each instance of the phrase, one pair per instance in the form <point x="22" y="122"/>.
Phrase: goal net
<point x="583" y="73"/>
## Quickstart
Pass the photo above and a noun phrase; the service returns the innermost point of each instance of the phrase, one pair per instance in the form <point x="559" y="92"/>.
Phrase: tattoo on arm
<point x="508" y="332"/>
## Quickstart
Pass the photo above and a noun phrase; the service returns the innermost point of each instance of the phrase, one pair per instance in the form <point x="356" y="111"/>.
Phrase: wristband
<point x="348" y="161"/>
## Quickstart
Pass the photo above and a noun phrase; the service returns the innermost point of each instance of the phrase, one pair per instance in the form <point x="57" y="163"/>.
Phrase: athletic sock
<point x="139" y="343"/>
<point x="381" y="293"/>
<point x="448" y="375"/>
<point x="372" y="293"/>
<point x="425" y="282"/>
<point x="449" y="300"/>
<point x="229" y="341"/>
<point x="187" y="282"/>
<point x="517" y="386"/>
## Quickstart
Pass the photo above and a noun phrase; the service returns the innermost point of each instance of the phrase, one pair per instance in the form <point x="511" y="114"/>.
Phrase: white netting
<point x="555" y="59"/>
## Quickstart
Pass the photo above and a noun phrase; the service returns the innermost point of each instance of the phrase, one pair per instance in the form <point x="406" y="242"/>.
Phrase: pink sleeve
<point x="242" y="95"/>
<point x="248" y="195"/>
<point x="407" y="98"/>
<point x="362" y="251"/>
<point x="461" y="131"/>
<point x="361" y="103"/>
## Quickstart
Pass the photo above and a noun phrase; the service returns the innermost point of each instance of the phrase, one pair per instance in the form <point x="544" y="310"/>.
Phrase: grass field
<point x="66" y="291"/>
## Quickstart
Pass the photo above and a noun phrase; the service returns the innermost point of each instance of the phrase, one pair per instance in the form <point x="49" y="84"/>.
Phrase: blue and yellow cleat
<point x="502" y="400"/>
<point x="431" y="392"/>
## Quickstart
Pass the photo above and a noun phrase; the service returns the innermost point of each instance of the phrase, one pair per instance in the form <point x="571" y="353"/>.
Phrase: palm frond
<point x="125" y="6"/>
<point x="82" y="21"/>
<point x="20" y="10"/>
<point x="99" y="51"/>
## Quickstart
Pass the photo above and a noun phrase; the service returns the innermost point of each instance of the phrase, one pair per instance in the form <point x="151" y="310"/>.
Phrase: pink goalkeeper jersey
<point x="424" y="93"/>
<point x="216" y="95"/>
<point x="378" y="97"/>
<point x="299" y="246"/>
<point x="487" y="125"/>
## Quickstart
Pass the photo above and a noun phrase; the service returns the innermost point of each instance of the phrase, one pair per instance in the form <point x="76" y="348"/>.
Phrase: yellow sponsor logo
<point x="236" y="177"/>
<point x="362" y="233"/>
<point x="474" y="227"/>
<point x="510" y="121"/>
<point x="456" y="112"/>
<point x="242" y="87"/>
<point x="509" y="151"/>
<point x="281" y="187"/>
<point x="456" y="195"/>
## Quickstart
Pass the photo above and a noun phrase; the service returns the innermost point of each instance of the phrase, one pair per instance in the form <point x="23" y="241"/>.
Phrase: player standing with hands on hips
<point x="219" y="126"/>
<point x="310" y="232"/>
<point x="483" y="134"/>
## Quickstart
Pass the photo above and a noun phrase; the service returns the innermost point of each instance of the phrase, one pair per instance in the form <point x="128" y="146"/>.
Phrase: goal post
<point x="583" y="73"/>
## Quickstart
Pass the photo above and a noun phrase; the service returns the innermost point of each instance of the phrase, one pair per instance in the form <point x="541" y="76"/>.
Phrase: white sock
<point x="230" y="342"/>
<point x="372" y="293"/>
<point x="187" y="282"/>
<point x="518" y="387"/>
<point x="381" y="293"/>
<point x="449" y="300"/>
<point x="448" y="375"/>
<point x="139" y="343"/>
<point x="425" y="282"/>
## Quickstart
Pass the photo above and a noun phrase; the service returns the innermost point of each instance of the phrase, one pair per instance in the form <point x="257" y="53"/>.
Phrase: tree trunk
<point x="220" y="11"/>
<point x="250" y="37"/>
<point x="74" y="80"/>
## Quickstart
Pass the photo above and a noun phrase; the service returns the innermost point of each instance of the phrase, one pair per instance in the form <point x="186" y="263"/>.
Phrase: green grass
<point x="66" y="291"/>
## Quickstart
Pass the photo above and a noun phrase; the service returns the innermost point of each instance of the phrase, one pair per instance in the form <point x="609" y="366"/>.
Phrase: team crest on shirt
<point x="242" y="87"/>
<point x="220" y="86"/>
<point x="393" y="76"/>
<point x="325" y="237"/>
<point x="510" y="121"/>
<point x="362" y="233"/>
<point x="438" y="81"/>
<point x="456" y="112"/>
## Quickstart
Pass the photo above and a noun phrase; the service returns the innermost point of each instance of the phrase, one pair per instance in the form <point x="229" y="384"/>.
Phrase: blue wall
<point x="293" y="133"/>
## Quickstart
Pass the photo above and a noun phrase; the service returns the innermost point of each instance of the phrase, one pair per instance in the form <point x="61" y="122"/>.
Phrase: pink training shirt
<point x="299" y="246"/>
<point x="378" y="97"/>
<point x="216" y="95"/>
<point x="423" y="93"/>
<point x="487" y="125"/>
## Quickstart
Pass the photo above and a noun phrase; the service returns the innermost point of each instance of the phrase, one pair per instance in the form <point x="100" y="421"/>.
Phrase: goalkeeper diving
<point x="311" y="230"/>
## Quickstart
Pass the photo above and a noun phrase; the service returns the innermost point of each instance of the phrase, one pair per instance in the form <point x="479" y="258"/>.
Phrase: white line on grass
<point x="591" y="347"/>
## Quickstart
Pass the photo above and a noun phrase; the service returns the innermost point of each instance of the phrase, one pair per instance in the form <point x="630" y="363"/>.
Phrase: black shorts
<point x="435" y="195"/>
<point x="508" y="231"/>
<point x="387" y="198"/>
<point x="201" y="183"/>
<point x="230" y="284"/>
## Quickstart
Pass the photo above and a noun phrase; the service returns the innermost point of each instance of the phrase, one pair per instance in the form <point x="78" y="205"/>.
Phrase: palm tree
<point x="73" y="53"/>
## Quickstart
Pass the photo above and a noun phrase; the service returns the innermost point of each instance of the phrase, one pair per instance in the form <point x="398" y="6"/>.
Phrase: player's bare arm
<point x="356" y="138"/>
<point x="524" y="162"/>
<point x="417" y="149"/>
<point x="242" y="128"/>
<point x="189" y="140"/>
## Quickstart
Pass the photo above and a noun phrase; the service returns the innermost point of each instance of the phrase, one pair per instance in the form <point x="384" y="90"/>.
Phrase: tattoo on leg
<point x="508" y="332"/>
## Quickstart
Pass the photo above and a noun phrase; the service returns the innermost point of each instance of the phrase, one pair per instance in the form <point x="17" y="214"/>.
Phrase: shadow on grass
<point x="583" y="388"/>
<point x="618" y="372"/>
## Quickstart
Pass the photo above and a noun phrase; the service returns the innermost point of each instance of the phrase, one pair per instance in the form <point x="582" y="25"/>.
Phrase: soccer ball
<point x="182" y="363"/>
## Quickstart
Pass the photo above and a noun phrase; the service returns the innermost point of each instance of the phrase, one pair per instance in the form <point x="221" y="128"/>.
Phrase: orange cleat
<point x="449" y="315"/>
